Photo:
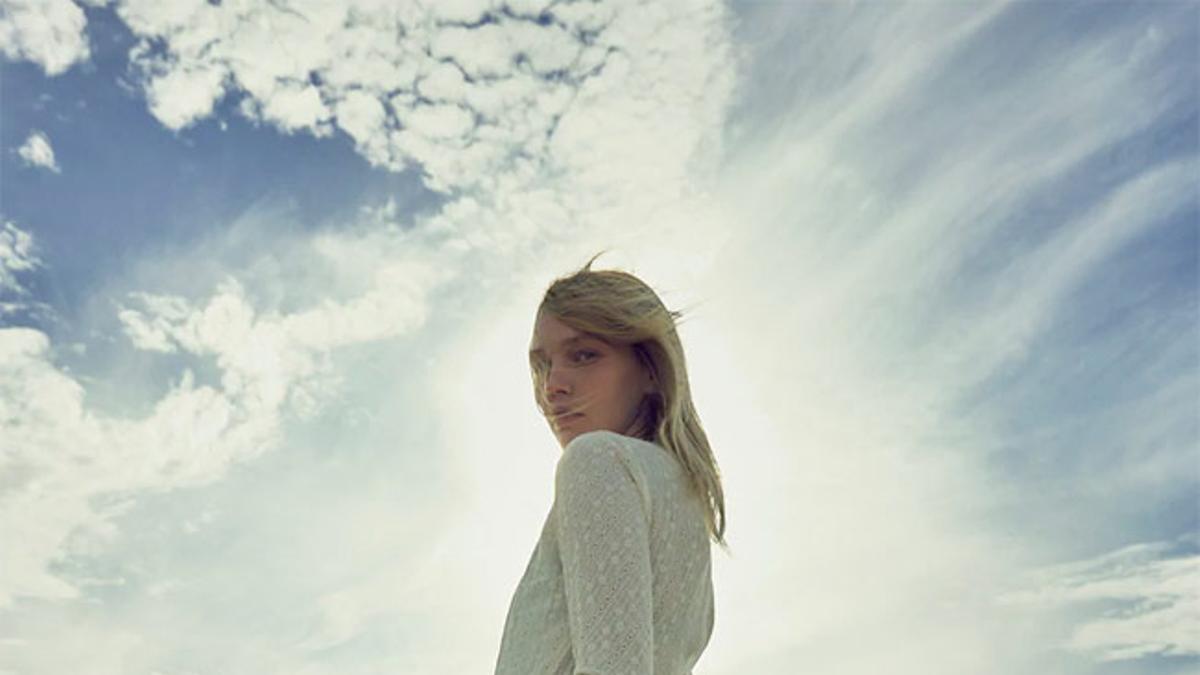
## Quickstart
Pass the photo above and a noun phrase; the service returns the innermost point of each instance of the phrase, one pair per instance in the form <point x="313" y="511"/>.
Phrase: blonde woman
<point x="620" y="582"/>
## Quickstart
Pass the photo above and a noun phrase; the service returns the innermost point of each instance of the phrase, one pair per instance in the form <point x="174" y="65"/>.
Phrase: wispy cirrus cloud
<point x="1154" y="581"/>
<point x="20" y="258"/>
<point x="17" y="255"/>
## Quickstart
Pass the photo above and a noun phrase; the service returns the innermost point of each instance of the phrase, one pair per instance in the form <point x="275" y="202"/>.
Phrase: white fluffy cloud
<point x="37" y="151"/>
<point x="62" y="454"/>
<point x="586" y="103"/>
<point x="544" y="129"/>
<point x="465" y="91"/>
<point x="48" y="32"/>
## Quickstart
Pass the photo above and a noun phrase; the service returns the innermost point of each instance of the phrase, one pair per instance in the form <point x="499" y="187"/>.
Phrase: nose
<point x="557" y="382"/>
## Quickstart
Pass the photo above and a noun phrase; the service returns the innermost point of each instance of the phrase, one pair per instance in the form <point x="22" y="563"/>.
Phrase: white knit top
<point x="620" y="582"/>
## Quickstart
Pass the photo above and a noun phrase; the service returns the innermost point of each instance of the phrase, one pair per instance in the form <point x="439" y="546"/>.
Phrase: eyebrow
<point x="568" y="341"/>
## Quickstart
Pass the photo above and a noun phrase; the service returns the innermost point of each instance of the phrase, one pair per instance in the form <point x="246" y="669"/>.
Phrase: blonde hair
<point x="618" y="307"/>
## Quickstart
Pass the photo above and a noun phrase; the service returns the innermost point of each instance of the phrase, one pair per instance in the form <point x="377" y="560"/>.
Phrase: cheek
<point x="614" y="388"/>
<point x="607" y="389"/>
<point x="627" y="387"/>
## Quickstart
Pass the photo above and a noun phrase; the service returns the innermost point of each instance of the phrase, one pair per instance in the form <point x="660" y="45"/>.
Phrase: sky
<point x="268" y="270"/>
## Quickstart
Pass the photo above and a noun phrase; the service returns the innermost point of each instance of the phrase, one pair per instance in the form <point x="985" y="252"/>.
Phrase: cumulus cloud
<point x="464" y="91"/>
<point x="63" y="454"/>
<point x="48" y="32"/>
<point x="36" y="151"/>
<point x="584" y="103"/>
<point x="542" y="140"/>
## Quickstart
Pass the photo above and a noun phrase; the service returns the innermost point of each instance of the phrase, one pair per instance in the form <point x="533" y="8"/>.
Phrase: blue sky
<point x="268" y="271"/>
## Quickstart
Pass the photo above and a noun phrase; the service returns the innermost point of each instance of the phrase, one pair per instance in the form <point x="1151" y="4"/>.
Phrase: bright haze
<point x="268" y="274"/>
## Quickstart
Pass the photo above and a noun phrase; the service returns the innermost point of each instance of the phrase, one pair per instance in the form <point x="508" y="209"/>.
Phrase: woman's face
<point x="600" y="384"/>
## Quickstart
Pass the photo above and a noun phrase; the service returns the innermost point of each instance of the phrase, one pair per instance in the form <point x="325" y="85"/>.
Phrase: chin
<point x="571" y="430"/>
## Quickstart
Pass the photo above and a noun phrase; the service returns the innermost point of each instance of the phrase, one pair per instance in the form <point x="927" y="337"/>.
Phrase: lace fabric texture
<point x="620" y="581"/>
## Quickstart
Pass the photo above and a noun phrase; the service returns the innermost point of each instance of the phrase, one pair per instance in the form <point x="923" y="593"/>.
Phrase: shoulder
<point x="596" y="440"/>
<point x="606" y="445"/>
<point x="601" y="440"/>
<point x="601" y="451"/>
<point x="590" y="448"/>
<point x="599" y="463"/>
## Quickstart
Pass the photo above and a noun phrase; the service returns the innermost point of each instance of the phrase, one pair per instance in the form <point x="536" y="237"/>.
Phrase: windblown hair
<point x="619" y="308"/>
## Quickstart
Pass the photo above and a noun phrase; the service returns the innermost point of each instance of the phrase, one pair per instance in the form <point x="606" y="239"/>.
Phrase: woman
<point x="620" y="581"/>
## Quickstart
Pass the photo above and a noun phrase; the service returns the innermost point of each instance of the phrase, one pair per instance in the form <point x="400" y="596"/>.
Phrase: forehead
<point x="549" y="332"/>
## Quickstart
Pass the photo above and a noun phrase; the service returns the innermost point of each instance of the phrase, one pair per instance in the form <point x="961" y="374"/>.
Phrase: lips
<point x="565" y="418"/>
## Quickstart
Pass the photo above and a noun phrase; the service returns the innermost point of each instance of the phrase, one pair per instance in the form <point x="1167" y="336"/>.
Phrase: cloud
<point x="1155" y="585"/>
<point x="17" y="254"/>
<point x="918" y="225"/>
<point x="48" y="32"/>
<point x="408" y="85"/>
<point x="868" y="261"/>
<point x="464" y="99"/>
<point x="36" y="151"/>
<point x="269" y="365"/>
<point x="559" y="104"/>
<point x="544" y="141"/>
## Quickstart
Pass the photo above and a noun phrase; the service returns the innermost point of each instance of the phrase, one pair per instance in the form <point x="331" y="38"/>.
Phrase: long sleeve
<point x="603" y="529"/>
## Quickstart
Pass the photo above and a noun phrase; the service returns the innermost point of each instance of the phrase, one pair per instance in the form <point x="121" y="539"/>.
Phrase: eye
<point x="542" y="364"/>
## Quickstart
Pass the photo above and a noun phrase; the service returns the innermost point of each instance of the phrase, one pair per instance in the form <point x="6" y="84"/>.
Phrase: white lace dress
<point x="620" y="582"/>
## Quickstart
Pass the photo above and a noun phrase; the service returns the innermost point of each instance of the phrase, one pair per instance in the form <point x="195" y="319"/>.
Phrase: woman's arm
<point x="604" y="543"/>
